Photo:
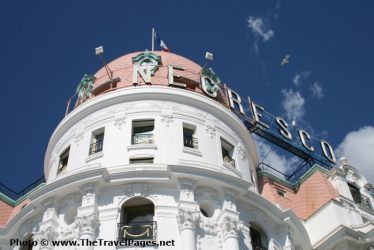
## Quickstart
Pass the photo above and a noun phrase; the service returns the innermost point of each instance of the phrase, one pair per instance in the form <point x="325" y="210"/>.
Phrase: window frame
<point x="224" y="144"/>
<point x="96" y="145"/>
<point x="65" y="155"/>
<point x="146" y="133"/>
<point x="189" y="139"/>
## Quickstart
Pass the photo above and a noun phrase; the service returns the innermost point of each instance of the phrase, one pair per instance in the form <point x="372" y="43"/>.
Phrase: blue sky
<point x="47" y="46"/>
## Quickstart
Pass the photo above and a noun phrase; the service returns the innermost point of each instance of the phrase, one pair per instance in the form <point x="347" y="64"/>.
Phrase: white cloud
<point x="317" y="90"/>
<point x="293" y="104"/>
<point x="358" y="148"/>
<point x="299" y="78"/>
<point x="261" y="30"/>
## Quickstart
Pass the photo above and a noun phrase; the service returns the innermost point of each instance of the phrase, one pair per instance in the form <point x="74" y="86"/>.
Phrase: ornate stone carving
<point x="48" y="234"/>
<point x="187" y="219"/>
<point x="119" y="119"/>
<point x="167" y="117"/>
<point x="79" y="134"/>
<point x="69" y="233"/>
<point x="208" y="234"/>
<point x="187" y="186"/>
<point x="88" y="199"/>
<point x="210" y="128"/>
<point x="87" y="225"/>
<point x="229" y="227"/>
<point x="48" y="213"/>
<point x="240" y="150"/>
<point x="351" y="176"/>
<point x="229" y="196"/>
<point x="209" y="227"/>
<point x="137" y="189"/>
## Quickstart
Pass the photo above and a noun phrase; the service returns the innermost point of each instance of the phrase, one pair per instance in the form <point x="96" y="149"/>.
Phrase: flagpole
<point x="153" y="39"/>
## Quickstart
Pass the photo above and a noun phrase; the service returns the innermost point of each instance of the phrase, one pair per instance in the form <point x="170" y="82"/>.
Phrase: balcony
<point x="142" y="139"/>
<point x="227" y="160"/>
<point x="190" y="141"/>
<point x="96" y="147"/>
<point x="137" y="231"/>
<point x="364" y="202"/>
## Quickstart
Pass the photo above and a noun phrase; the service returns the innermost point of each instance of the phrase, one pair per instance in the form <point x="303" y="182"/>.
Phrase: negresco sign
<point x="275" y="129"/>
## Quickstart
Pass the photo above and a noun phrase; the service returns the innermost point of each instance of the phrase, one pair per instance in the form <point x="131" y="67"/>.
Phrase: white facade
<point x="90" y="191"/>
<point x="201" y="199"/>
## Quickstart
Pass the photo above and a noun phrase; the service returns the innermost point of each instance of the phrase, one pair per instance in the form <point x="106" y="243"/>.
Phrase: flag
<point x="161" y="42"/>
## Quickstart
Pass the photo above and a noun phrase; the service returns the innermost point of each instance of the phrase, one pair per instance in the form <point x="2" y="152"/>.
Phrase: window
<point x="355" y="194"/>
<point x="64" y="158"/>
<point x="137" y="220"/>
<point x="359" y="198"/>
<point x="258" y="239"/>
<point x="227" y="153"/>
<point x="142" y="132"/>
<point x="97" y="141"/>
<point x="280" y="192"/>
<point x="141" y="160"/>
<point x="189" y="139"/>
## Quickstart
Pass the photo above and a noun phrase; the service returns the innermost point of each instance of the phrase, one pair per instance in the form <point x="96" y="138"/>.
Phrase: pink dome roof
<point x="122" y="68"/>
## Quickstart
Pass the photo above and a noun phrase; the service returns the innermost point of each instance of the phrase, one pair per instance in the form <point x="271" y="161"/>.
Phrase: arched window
<point x="137" y="219"/>
<point x="259" y="240"/>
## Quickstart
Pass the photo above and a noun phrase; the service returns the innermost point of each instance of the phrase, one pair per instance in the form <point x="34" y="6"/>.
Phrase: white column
<point x="230" y="220"/>
<point x="187" y="227"/>
<point x="188" y="214"/>
<point x="87" y="230"/>
<point x="230" y="235"/>
<point x="48" y="227"/>
<point x="87" y="219"/>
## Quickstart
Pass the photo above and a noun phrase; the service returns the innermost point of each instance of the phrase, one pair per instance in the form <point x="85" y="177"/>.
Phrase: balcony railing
<point x="143" y="139"/>
<point x="190" y="141"/>
<point x="365" y="202"/>
<point x="137" y="231"/>
<point x="96" y="147"/>
<point x="229" y="161"/>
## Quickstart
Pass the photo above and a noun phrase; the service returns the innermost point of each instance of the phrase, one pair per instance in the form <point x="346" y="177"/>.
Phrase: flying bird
<point x="285" y="60"/>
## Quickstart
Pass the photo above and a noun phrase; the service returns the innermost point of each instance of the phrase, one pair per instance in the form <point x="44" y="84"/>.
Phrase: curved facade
<point x="152" y="153"/>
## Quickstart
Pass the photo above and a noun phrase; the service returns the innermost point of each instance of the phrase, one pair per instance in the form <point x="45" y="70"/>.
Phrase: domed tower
<point x="152" y="155"/>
